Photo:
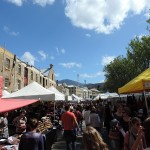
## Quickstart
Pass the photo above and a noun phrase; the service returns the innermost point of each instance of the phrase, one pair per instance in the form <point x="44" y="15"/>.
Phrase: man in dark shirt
<point x="32" y="140"/>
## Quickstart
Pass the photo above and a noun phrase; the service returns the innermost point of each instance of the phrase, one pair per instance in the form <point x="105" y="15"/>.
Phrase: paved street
<point x="61" y="145"/>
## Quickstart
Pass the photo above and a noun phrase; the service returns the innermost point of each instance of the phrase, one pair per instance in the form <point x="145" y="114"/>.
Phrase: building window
<point x="19" y="69"/>
<point x="19" y="84"/>
<point x="25" y="76"/>
<point x="6" y="82"/>
<point x="43" y="82"/>
<point x="40" y="79"/>
<point x="31" y="75"/>
<point x="36" y="78"/>
<point x="52" y="77"/>
<point x="7" y="63"/>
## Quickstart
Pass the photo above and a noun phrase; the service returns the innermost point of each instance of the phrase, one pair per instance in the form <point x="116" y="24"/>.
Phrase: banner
<point x="1" y="86"/>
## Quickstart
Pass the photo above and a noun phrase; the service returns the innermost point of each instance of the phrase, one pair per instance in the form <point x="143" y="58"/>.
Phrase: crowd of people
<point x="126" y="123"/>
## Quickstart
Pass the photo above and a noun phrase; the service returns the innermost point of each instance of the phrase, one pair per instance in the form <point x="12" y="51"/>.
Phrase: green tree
<point x="138" y="52"/>
<point x="123" y="69"/>
<point x="117" y="73"/>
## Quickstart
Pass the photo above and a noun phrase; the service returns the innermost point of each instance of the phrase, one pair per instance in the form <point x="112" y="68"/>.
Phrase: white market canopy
<point x="12" y="104"/>
<point x="75" y="98"/>
<point x="32" y="91"/>
<point x="68" y="98"/>
<point x="58" y="95"/>
<point x="106" y="95"/>
<point x="4" y="93"/>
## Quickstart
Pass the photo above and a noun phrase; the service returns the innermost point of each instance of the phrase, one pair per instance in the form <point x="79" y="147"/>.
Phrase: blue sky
<point x="79" y="37"/>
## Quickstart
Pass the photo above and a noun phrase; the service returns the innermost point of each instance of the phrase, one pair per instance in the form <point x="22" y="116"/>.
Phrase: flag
<point x="1" y="86"/>
<point x="14" y="61"/>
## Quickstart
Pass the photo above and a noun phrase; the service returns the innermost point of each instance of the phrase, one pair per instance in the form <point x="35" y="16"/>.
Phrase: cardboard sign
<point x="147" y="84"/>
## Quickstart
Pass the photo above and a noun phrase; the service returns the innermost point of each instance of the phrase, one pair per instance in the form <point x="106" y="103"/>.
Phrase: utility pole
<point x="85" y="82"/>
<point x="78" y="79"/>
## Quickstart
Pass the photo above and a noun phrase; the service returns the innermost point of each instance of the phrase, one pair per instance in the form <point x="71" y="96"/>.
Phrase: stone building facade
<point x="75" y="90"/>
<point x="17" y="74"/>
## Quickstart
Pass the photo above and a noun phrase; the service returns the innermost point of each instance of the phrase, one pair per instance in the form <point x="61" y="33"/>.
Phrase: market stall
<point x="11" y="104"/>
<point x="141" y="83"/>
<point x="32" y="91"/>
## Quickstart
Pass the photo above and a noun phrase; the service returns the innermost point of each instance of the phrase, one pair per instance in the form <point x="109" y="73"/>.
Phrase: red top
<point x="78" y="116"/>
<point x="68" y="120"/>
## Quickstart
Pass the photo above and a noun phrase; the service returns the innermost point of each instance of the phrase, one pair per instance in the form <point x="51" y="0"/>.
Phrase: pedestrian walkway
<point x="60" y="144"/>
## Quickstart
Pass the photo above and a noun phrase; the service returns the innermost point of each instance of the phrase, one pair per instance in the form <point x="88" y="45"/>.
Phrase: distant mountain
<point x="70" y="82"/>
<point x="98" y="86"/>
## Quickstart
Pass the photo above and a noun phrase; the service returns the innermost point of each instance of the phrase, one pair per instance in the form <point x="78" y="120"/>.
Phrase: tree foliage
<point x="123" y="69"/>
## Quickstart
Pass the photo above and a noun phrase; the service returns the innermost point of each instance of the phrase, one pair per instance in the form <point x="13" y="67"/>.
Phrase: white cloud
<point x="88" y="35"/>
<point x="71" y="65"/>
<point x="43" y="2"/>
<point x="28" y="57"/>
<point x="16" y="2"/>
<point x="43" y="55"/>
<point x="85" y="75"/>
<point x="107" y="59"/>
<point x="140" y="36"/>
<point x="63" y="51"/>
<point x="7" y="30"/>
<point x="147" y="15"/>
<point x="38" y="2"/>
<point x="102" y="81"/>
<point x="60" y="51"/>
<point x="52" y="57"/>
<point x="101" y="15"/>
<point x="57" y="50"/>
<point x="57" y="74"/>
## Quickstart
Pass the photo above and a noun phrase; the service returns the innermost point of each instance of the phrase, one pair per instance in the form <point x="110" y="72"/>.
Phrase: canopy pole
<point x="54" y="111"/>
<point x="146" y="103"/>
<point x="119" y="97"/>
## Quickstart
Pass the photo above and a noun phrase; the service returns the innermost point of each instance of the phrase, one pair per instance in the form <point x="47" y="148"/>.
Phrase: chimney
<point x="51" y="66"/>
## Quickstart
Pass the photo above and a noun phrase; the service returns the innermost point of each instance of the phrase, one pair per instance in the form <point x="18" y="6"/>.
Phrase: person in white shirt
<point x="86" y="115"/>
<point x="94" y="119"/>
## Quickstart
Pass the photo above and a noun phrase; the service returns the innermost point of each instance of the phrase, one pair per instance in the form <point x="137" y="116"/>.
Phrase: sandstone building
<point x="17" y="74"/>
